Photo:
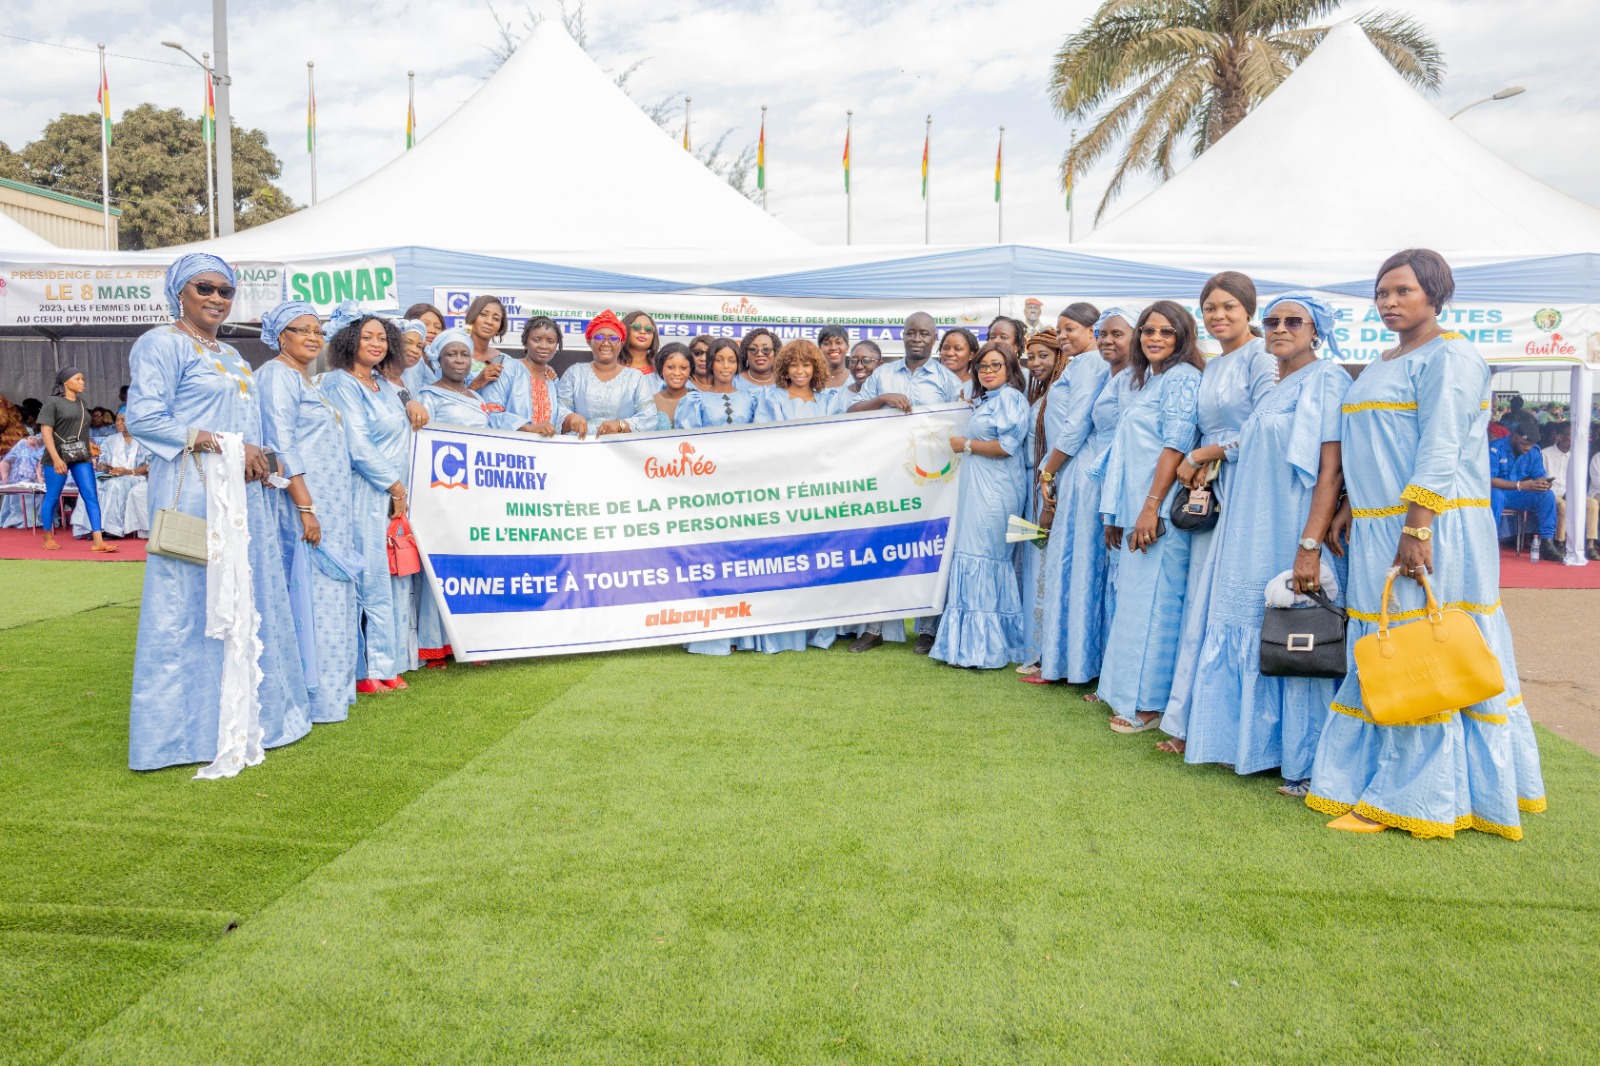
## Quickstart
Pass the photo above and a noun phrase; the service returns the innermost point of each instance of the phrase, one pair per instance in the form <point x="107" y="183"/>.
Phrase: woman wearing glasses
<point x="982" y="621"/>
<point x="699" y="350"/>
<point x="315" y="516"/>
<point x="1234" y="384"/>
<point x="1159" y="424"/>
<point x="604" y="393"/>
<point x="1286" y="490"/>
<point x="185" y="386"/>
<point x="758" y="358"/>
<point x="642" y="344"/>
<point x="723" y="402"/>
<point x="863" y="359"/>
<point x="1416" y="467"/>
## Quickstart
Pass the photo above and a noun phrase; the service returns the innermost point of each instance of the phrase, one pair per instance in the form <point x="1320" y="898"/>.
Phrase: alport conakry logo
<point x="456" y="303"/>
<point x="449" y="465"/>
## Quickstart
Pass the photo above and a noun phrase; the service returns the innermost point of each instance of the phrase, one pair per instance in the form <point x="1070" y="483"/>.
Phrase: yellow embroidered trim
<point x="1345" y="709"/>
<point x="1417" y="827"/>
<point x="1535" y="806"/>
<point x="1323" y="805"/>
<point x="1429" y="499"/>
<point x="1356" y="712"/>
<point x="1452" y="335"/>
<point x="1491" y="719"/>
<point x="1484" y="406"/>
<point x="1378" y="512"/>
<point x="1400" y="509"/>
<point x="1378" y="405"/>
<point x="1510" y="832"/>
<point x="1422" y="612"/>
<point x="1515" y="701"/>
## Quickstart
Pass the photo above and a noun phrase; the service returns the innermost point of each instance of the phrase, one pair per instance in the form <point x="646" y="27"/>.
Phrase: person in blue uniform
<point x="982" y="621"/>
<point x="186" y="385"/>
<point x="1416" y="469"/>
<point x="314" y="516"/>
<point x="1287" y="481"/>
<point x="1159" y="425"/>
<point x="1518" y="482"/>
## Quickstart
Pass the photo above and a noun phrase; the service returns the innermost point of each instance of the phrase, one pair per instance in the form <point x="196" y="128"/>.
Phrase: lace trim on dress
<point x="1422" y="612"/>
<point x="1533" y="806"/>
<point x="1378" y="405"/>
<point x="1356" y="712"/>
<point x="1427" y="497"/>
<point x="1400" y="509"/>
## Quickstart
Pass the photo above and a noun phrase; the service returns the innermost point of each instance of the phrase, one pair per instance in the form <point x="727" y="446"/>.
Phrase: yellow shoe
<point x="1354" y="823"/>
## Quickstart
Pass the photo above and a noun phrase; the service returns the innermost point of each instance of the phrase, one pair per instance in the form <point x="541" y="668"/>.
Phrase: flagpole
<point x="849" y="213"/>
<point x="686" y="147"/>
<point x="1070" y="209"/>
<point x="210" y="123"/>
<point x="927" y="184"/>
<point x="411" y="109"/>
<point x="311" y="124"/>
<point x="999" y="200"/>
<point x="223" y="83"/>
<point x="105" y="154"/>
<point x="761" y="164"/>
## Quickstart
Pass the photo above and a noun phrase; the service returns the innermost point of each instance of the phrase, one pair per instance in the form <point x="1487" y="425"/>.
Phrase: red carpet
<point x="24" y="544"/>
<point x="1516" y="572"/>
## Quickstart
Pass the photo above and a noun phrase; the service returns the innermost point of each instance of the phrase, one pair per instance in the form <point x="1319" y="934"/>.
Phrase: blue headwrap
<point x="411" y="325"/>
<point x="180" y="273"/>
<point x="346" y="313"/>
<point x="449" y="336"/>
<point x="273" y="321"/>
<point x="1322" y="316"/>
<point x="1114" y="312"/>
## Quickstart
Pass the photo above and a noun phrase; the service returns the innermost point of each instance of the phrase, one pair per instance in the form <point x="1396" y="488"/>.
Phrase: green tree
<point x="11" y="166"/>
<point x="1185" y="72"/>
<point x="158" y="173"/>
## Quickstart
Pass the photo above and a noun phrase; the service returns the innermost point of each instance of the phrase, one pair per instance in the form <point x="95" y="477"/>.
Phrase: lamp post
<point x="1503" y="94"/>
<point x="211" y="210"/>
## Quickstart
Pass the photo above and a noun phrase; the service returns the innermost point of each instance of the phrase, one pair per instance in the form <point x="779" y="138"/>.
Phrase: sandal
<point x="105" y="548"/>
<point x="1090" y="697"/>
<point x="1029" y="671"/>
<point x="1295" y="789"/>
<point x="1137" y="725"/>
<point x="1037" y="679"/>
<point x="1175" y="746"/>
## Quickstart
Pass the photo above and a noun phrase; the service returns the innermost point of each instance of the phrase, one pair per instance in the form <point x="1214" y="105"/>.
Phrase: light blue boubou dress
<point x="702" y="409"/>
<point x="1416" y="430"/>
<point x="1236" y="715"/>
<point x="627" y="397"/>
<point x="982" y="621"/>
<point x="1142" y="647"/>
<point x="1030" y="559"/>
<point x="305" y="430"/>
<point x="1231" y="388"/>
<point x="378" y="432"/>
<point x="176" y="384"/>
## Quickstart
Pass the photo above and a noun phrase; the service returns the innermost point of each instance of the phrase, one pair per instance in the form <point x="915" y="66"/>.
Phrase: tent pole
<point x="1578" y="465"/>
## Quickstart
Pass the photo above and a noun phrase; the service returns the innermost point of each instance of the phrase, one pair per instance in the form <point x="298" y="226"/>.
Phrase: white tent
<point x="1345" y="155"/>
<point x="618" y="181"/>
<point x="15" y="237"/>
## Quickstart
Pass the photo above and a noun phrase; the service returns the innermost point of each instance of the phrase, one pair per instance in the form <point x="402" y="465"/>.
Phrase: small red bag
<point x="403" y="557"/>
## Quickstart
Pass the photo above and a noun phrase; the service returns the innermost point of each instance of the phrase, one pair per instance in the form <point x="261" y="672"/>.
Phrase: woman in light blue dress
<point x="758" y="360"/>
<point x="956" y="349"/>
<point x="378" y="432"/>
<point x="722" y="403"/>
<point x="673" y="369"/>
<point x="1078" y="595"/>
<point x="1046" y="362"/>
<point x="1416" y="461"/>
<point x="184" y="386"/>
<point x="527" y="389"/>
<point x="1159" y="424"/>
<point x="314" y="514"/>
<point x="982" y="621"/>
<point x="607" y="395"/>
<point x="1234" y="383"/>
<point x="21" y="467"/>
<point x="1287" y="482"/>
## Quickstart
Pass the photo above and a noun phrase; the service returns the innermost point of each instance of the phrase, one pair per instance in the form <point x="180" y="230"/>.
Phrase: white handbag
<point x="178" y="534"/>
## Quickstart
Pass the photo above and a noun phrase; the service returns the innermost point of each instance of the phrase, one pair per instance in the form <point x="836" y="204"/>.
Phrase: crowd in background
<point x="1175" y="498"/>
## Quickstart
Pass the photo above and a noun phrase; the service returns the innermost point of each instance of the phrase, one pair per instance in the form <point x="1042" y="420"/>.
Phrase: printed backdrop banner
<point x="536" y="546"/>
<point x="66" y="294"/>
<point x="681" y="316"/>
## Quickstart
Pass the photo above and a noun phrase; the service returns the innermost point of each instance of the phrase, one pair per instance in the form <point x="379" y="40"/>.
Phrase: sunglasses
<point x="640" y="328"/>
<point x="304" y="331"/>
<point x="1158" y="331"/>
<point x="761" y="349"/>
<point x="1292" y="322"/>
<point x="206" y="288"/>
<point x="606" y="338"/>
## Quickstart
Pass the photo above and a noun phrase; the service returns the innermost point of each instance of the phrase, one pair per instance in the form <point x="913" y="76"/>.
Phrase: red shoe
<point x="395" y="684"/>
<point x="367" y="688"/>
<point x="1035" y="679"/>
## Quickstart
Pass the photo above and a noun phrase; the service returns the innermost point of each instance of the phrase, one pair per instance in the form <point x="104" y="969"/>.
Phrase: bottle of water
<point x="1533" y="550"/>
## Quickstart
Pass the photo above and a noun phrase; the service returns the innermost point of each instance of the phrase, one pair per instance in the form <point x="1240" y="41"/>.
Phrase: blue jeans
<point x="83" y="474"/>
<point x="1541" y="505"/>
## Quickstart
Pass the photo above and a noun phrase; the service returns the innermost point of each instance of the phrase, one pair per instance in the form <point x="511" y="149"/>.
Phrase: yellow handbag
<point x="1414" y="671"/>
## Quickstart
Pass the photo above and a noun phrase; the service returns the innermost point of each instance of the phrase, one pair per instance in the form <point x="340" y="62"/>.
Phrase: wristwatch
<point x="968" y="449"/>
<point x="1310" y="544"/>
<point x="1046" y="477"/>
<point x="1423" y="533"/>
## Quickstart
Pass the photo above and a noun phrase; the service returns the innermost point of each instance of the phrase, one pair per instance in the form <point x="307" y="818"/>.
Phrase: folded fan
<point x="1020" y="529"/>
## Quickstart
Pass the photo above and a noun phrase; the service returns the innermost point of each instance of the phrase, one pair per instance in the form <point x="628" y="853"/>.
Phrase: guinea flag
<point x="104" y="98"/>
<point x="998" y="149"/>
<point x="847" y="160"/>
<point x="761" y="156"/>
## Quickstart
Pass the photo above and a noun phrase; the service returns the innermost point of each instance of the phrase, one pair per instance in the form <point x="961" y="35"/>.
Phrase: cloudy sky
<point x="973" y="66"/>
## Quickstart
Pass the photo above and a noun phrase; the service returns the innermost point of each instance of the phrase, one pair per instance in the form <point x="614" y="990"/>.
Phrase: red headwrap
<point x="601" y="321"/>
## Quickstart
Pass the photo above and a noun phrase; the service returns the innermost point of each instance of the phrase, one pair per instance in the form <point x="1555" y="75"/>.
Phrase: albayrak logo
<point x="704" y="616"/>
<point x="688" y="464"/>
<point x="450" y="465"/>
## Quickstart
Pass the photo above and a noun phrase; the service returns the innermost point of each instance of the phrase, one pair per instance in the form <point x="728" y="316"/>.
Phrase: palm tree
<point x="1188" y="71"/>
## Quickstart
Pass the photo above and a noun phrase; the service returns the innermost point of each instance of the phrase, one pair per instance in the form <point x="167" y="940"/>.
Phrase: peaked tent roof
<point x="1345" y="155"/>
<point x="15" y="237"/>
<point x="548" y="92"/>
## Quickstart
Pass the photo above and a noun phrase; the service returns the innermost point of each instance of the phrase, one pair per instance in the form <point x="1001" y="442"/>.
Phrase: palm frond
<point x="1265" y="17"/>
<point x="1407" y="47"/>
<point x="1105" y="132"/>
<point x="1166" y="114"/>
<point x="1262" y="68"/>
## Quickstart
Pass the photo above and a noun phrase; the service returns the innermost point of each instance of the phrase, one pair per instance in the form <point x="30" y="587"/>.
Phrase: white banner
<point x="64" y="294"/>
<point x="536" y="546"/>
<point x="326" y="283"/>
<point x="680" y="316"/>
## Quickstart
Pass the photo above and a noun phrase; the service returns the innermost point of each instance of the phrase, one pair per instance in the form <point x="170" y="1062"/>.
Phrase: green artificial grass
<point x="657" y="857"/>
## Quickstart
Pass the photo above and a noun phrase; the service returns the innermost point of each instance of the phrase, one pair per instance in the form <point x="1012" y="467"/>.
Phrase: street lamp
<point x="211" y="211"/>
<point x="1503" y="94"/>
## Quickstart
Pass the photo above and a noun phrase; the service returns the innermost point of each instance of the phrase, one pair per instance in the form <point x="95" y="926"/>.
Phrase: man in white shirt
<point x="1556" y="458"/>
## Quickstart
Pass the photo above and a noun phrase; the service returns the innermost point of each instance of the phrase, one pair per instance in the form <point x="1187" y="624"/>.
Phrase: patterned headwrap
<point x="181" y="272"/>
<point x="1114" y="312"/>
<point x="346" y="313"/>
<point x="273" y="321"/>
<point x="602" y="320"/>
<point x="1322" y="316"/>
<point x="449" y="336"/>
<point x="411" y="325"/>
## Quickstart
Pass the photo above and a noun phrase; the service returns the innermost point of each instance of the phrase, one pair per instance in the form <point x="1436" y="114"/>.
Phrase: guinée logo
<point x="687" y="464"/>
<point x="449" y="465"/>
<point x="743" y="307"/>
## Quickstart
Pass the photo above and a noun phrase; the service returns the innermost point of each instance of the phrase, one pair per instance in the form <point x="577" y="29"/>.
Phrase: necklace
<point x="369" y="381"/>
<point x="461" y="390"/>
<point x="213" y="345"/>
<point x="1403" y="350"/>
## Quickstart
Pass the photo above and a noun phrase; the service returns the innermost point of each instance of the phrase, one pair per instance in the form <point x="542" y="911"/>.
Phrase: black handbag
<point x="1197" y="511"/>
<point x="1304" y="641"/>
<point x="76" y="449"/>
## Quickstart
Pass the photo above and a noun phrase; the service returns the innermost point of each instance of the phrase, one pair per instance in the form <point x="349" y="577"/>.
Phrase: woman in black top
<point x="64" y="424"/>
